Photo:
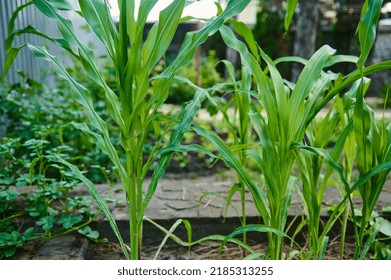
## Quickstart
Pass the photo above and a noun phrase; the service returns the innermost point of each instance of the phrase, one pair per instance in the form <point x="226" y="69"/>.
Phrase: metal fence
<point x="26" y="62"/>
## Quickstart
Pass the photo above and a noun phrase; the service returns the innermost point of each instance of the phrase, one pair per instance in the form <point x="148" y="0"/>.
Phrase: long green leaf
<point x="265" y="96"/>
<point x="253" y="228"/>
<point x="14" y="16"/>
<point x="349" y="80"/>
<point x="185" y="120"/>
<point x="156" y="46"/>
<point x="86" y="56"/>
<point x="194" y="39"/>
<point x="291" y="7"/>
<point x="83" y="97"/>
<point x="305" y="83"/>
<point x="98" y="17"/>
<point x="231" y="159"/>
<point x="94" y="193"/>
<point x="185" y="149"/>
<point x="244" y="30"/>
<point x="385" y="166"/>
<point x="31" y="30"/>
<point x="215" y="237"/>
<point x="10" y="57"/>
<point x="367" y="29"/>
<point x="170" y="232"/>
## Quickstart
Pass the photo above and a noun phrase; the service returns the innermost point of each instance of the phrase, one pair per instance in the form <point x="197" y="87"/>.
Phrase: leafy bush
<point x="33" y="111"/>
<point x="29" y="195"/>
<point x="38" y="123"/>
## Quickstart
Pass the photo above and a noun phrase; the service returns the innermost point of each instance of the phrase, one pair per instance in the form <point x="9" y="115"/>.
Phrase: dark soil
<point x="206" y="251"/>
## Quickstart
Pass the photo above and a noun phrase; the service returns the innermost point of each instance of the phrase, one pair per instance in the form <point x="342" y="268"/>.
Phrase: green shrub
<point x="33" y="111"/>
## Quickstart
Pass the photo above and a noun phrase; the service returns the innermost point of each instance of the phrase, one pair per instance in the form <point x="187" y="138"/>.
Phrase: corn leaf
<point x="86" y="56"/>
<point x="253" y="228"/>
<point x="98" y="17"/>
<point x="185" y="120"/>
<point x="367" y="29"/>
<point x="170" y="232"/>
<point x="305" y="83"/>
<point x="83" y="97"/>
<point x="231" y="160"/>
<point x="291" y="7"/>
<point x="94" y="193"/>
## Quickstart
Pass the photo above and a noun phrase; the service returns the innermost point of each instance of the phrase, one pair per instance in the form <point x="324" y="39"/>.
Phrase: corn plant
<point x="367" y="145"/>
<point x="282" y="113"/>
<point x="135" y="109"/>
<point x="373" y="142"/>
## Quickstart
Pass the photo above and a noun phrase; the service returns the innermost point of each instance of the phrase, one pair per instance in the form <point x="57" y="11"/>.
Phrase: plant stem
<point x="343" y="233"/>
<point x="244" y="221"/>
<point x="132" y="206"/>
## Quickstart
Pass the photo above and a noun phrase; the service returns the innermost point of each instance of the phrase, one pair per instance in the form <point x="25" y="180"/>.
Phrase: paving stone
<point x="157" y="214"/>
<point x="176" y="198"/>
<point x="213" y="201"/>
<point x="179" y="205"/>
<point x="210" y="212"/>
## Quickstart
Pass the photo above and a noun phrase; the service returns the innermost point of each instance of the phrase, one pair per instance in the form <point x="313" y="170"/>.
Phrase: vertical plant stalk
<point x="242" y="102"/>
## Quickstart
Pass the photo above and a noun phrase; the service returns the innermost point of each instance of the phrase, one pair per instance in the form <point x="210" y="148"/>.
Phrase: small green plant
<point x="28" y="195"/>
<point x="135" y="108"/>
<point x="33" y="111"/>
<point x="381" y="247"/>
